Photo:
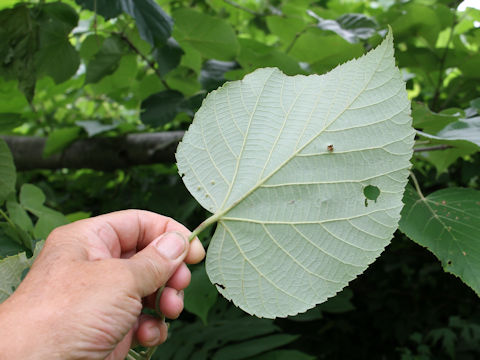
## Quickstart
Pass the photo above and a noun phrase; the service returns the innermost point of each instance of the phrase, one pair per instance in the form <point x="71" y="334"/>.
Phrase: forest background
<point x="95" y="95"/>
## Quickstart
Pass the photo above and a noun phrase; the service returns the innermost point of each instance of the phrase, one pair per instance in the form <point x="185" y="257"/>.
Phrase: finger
<point x="171" y="302"/>
<point x="196" y="252"/>
<point x="180" y="278"/>
<point x="154" y="265"/>
<point x="114" y="234"/>
<point x="151" y="331"/>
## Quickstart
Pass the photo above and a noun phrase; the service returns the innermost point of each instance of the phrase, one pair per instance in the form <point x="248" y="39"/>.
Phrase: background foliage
<point x="87" y="68"/>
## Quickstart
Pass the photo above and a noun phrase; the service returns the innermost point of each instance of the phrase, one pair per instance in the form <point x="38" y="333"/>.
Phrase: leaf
<point x="59" y="139"/>
<point x="17" y="48"/>
<point x="284" y="355"/>
<point x="282" y="162"/>
<point x="12" y="269"/>
<point x="213" y="73"/>
<point x="19" y="216"/>
<point x="351" y="27"/>
<point x="8" y="175"/>
<point x="55" y="24"/>
<point x="463" y="129"/>
<point x="443" y="159"/>
<point x="253" y="347"/>
<point x="153" y="24"/>
<point x="106" y="61"/>
<point x="446" y="223"/>
<point x="94" y="127"/>
<point x="168" y="56"/>
<point x="212" y="37"/>
<point x="9" y="121"/>
<point x="428" y="121"/>
<point x="201" y="295"/>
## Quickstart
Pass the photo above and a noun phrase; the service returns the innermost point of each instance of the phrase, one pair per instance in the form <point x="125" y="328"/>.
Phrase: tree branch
<point x="432" y="148"/>
<point x="149" y="62"/>
<point x="99" y="153"/>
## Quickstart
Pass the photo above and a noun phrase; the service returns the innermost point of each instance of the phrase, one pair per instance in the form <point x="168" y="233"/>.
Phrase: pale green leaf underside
<point x="293" y="225"/>
<point x="11" y="270"/>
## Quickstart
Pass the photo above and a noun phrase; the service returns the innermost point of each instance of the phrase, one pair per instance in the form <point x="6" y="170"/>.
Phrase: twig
<point x="432" y="148"/>
<point x="441" y="69"/>
<point x="149" y="62"/>
<point x="417" y="185"/>
<point x="238" y="6"/>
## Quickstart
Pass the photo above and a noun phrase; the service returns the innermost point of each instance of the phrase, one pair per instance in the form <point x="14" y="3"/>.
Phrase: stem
<point x="417" y="185"/>
<point x="150" y="63"/>
<point x="212" y="219"/>
<point x="436" y="95"/>
<point x="238" y="6"/>
<point x="5" y="216"/>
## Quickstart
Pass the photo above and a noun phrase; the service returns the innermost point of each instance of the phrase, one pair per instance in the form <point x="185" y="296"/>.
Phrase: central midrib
<point x="220" y="213"/>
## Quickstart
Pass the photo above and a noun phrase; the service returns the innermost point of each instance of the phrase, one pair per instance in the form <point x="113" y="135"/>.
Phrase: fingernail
<point x="171" y="245"/>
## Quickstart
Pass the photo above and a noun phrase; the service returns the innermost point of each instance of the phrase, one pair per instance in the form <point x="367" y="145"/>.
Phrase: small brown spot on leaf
<point x="444" y="202"/>
<point x="464" y="253"/>
<point x="330" y="148"/>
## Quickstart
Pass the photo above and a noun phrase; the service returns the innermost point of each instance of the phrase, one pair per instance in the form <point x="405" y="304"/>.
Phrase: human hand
<point x="83" y="296"/>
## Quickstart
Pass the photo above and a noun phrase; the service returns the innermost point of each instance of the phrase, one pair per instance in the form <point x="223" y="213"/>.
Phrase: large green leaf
<point x="283" y="162"/>
<point x="213" y="37"/>
<point x="446" y="222"/>
<point x="8" y="176"/>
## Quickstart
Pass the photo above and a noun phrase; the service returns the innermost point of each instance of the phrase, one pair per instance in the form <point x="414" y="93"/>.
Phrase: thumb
<point x="156" y="263"/>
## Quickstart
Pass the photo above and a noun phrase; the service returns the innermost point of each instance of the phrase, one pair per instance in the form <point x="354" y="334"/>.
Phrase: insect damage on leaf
<point x="262" y="142"/>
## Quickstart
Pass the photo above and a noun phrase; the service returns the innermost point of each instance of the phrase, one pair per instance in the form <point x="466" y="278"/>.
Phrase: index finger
<point x="127" y="231"/>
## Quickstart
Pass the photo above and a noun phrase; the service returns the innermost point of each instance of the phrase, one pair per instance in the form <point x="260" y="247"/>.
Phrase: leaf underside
<point x="282" y="163"/>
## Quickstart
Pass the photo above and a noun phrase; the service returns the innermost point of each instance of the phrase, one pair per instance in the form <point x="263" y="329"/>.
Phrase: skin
<point x="82" y="298"/>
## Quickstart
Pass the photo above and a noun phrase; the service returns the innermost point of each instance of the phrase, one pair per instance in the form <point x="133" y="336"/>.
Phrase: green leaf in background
<point x="463" y="129"/>
<point x="160" y="108"/>
<point x="285" y="28"/>
<point x="254" y="54"/>
<point x="17" y="48"/>
<point x="106" y="61"/>
<point x="284" y="355"/>
<point x="19" y="216"/>
<point x="94" y="127"/>
<point x="153" y="24"/>
<point x="201" y="295"/>
<point x="9" y="121"/>
<point x="212" y="37"/>
<point x="282" y="162"/>
<point x="168" y="56"/>
<point x="324" y="52"/>
<point x="253" y="347"/>
<point x="213" y="73"/>
<point x="351" y="27"/>
<point x="12" y="270"/>
<point x="32" y="199"/>
<point x="426" y="120"/>
<point x="59" y="139"/>
<point x="446" y="222"/>
<point x="10" y="244"/>
<point x="459" y="147"/>
<point x="8" y="175"/>
<point x="56" y="56"/>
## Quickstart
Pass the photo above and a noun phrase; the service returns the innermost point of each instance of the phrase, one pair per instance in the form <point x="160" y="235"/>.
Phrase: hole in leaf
<point x="449" y="262"/>
<point x="371" y="192"/>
